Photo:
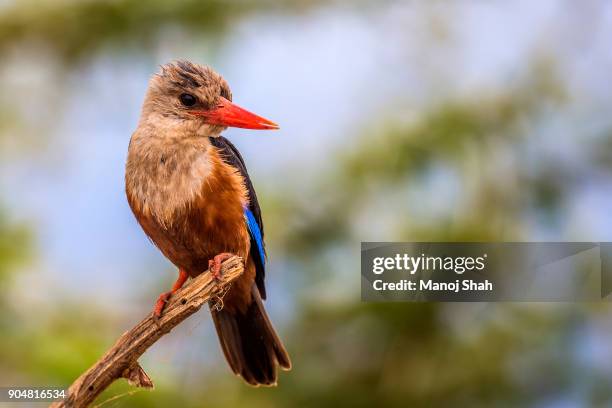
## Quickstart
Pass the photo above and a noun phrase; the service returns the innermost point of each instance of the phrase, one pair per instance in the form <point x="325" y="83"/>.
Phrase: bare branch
<point x="121" y="360"/>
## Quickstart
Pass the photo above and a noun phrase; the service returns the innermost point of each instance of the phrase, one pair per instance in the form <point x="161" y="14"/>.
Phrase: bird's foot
<point x="161" y="303"/>
<point x="164" y="297"/>
<point x="214" y="265"/>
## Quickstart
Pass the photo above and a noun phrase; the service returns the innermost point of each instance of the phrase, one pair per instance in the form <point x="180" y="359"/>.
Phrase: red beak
<point x="228" y="114"/>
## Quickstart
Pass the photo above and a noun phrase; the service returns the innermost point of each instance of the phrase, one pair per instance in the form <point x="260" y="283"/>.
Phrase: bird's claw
<point x="160" y="304"/>
<point x="165" y="297"/>
<point x="214" y="265"/>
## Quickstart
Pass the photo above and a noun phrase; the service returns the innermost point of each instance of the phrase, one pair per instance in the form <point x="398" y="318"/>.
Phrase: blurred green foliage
<point x="15" y="244"/>
<point x="74" y="29"/>
<point x="463" y="137"/>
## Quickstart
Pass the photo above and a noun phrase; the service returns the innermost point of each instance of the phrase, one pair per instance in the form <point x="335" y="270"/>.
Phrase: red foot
<point x="214" y="265"/>
<point x="161" y="303"/>
<point x="164" y="297"/>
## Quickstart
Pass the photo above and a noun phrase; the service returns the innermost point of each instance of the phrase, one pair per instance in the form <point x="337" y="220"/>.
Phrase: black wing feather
<point x="231" y="156"/>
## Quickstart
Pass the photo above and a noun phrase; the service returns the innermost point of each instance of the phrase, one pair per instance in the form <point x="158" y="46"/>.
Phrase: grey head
<point x="193" y="98"/>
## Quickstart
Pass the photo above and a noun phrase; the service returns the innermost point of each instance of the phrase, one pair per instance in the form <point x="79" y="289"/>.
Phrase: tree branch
<point x="121" y="360"/>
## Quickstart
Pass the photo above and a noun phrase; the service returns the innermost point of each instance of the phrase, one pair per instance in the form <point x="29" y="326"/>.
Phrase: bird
<point x="189" y="189"/>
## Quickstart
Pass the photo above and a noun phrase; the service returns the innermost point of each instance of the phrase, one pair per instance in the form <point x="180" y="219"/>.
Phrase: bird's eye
<point x="187" y="99"/>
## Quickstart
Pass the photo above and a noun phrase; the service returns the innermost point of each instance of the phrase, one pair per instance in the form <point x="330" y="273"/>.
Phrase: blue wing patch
<point x="255" y="232"/>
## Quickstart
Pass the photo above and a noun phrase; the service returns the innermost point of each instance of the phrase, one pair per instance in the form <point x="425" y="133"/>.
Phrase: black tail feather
<point x="250" y="343"/>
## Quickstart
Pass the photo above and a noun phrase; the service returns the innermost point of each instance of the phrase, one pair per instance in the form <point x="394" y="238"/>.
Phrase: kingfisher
<point x="190" y="191"/>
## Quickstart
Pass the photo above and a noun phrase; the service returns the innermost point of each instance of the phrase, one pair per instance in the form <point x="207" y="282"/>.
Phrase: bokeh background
<point x="415" y="121"/>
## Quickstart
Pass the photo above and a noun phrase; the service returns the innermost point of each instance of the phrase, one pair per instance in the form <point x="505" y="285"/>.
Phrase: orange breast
<point x="212" y="223"/>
